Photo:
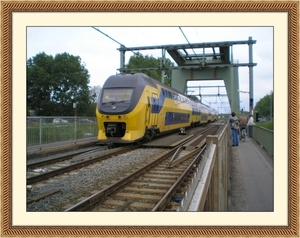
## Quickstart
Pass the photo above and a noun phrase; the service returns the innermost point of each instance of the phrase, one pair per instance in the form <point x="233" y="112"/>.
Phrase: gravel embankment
<point x="82" y="182"/>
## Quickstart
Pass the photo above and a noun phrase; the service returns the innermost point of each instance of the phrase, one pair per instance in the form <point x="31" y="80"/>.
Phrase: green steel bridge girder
<point x="229" y="75"/>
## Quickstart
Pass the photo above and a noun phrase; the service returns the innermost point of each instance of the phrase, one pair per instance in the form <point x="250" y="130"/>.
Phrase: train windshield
<point x="116" y="95"/>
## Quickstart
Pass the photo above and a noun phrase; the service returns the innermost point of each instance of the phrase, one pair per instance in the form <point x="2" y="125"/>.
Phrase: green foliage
<point x="55" y="83"/>
<point x="58" y="132"/>
<point x="140" y="61"/>
<point x="268" y="125"/>
<point x="265" y="106"/>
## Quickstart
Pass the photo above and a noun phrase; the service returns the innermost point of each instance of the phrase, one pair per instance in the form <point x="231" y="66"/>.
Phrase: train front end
<point x="120" y="114"/>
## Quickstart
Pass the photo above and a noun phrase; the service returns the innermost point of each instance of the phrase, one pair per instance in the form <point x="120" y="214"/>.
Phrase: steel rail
<point x="59" y="158"/>
<point x="77" y="165"/>
<point x="91" y="200"/>
<point x="88" y="202"/>
<point x="161" y="205"/>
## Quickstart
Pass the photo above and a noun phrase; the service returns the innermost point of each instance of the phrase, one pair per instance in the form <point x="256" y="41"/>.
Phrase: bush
<point x="267" y="124"/>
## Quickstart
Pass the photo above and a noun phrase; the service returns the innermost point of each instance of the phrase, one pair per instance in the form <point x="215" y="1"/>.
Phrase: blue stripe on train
<point x="176" y="118"/>
<point x="157" y="103"/>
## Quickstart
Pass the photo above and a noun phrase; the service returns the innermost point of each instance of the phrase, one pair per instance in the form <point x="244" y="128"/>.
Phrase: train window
<point x="116" y="95"/>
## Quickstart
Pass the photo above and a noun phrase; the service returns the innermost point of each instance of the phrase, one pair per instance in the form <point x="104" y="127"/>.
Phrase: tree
<point x="54" y="84"/>
<point x="265" y="106"/>
<point x="95" y="91"/>
<point x="140" y="61"/>
<point x="39" y="83"/>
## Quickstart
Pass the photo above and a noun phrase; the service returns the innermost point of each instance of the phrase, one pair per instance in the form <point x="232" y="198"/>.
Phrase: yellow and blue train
<point x="132" y="107"/>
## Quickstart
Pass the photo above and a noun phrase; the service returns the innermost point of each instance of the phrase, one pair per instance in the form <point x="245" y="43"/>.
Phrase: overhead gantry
<point x="202" y="61"/>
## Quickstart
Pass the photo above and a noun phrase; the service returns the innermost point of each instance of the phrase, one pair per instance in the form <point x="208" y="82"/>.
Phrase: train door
<point x="155" y="110"/>
<point x="148" y="109"/>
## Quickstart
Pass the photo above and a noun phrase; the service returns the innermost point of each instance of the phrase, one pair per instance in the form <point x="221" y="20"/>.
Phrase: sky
<point x="102" y="59"/>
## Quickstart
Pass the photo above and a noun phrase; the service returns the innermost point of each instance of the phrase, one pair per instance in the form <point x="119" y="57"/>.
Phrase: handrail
<point x="211" y="173"/>
<point x="194" y="198"/>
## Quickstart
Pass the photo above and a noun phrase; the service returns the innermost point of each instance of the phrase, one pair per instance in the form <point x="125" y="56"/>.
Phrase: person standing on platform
<point x="250" y="125"/>
<point x="234" y="126"/>
<point x="243" y="123"/>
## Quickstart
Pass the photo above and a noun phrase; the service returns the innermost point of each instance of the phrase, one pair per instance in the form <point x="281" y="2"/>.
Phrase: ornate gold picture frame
<point x="291" y="8"/>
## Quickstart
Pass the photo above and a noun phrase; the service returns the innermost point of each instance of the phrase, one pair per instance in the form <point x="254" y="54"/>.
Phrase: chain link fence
<point x="45" y="130"/>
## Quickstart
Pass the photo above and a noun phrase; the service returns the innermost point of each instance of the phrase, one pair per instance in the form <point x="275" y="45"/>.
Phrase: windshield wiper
<point x="113" y="102"/>
<point x="122" y="101"/>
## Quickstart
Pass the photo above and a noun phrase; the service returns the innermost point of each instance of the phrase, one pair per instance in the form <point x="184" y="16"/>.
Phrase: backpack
<point x="235" y="124"/>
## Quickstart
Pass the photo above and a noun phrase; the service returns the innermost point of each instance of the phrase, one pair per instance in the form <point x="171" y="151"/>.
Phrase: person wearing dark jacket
<point x="234" y="131"/>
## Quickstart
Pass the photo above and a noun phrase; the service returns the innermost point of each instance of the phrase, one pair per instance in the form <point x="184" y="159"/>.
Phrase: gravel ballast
<point x="82" y="182"/>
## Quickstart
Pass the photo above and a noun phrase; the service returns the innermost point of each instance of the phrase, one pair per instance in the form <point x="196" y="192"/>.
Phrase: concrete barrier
<point x="208" y="190"/>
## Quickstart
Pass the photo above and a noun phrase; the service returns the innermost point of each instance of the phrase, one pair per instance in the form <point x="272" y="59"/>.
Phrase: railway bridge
<point x="236" y="178"/>
<point x="202" y="61"/>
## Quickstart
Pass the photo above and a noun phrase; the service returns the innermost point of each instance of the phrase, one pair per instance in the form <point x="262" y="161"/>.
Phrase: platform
<point x="251" y="186"/>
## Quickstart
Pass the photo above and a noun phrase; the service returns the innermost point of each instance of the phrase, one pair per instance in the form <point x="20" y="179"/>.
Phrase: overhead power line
<point x="197" y="34"/>
<point x="113" y="39"/>
<point x="146" y="36"/>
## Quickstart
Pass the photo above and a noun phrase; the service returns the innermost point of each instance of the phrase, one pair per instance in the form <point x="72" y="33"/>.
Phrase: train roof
<point x="140" y="80"/>
<point x="134" y="79"/>
<point x="129" y="80"/>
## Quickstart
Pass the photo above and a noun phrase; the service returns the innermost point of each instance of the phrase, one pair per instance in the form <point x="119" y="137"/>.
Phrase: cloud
<point x="102" y="59"/>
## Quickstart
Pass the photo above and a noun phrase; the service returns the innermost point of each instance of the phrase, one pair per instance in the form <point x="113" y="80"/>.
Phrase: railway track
<point x="59" y="158"/>
<point x="77" y="161"/>
<point x="67" y="163"/>
<point x="154" y="187"/>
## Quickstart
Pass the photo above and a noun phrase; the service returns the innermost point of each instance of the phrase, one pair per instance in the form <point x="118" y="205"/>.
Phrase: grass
<point x="58" y="132"/>
<point x="267" y="124"/>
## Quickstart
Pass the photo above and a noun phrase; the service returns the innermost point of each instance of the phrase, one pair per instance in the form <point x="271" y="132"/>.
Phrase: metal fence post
<point x="75" y="129"/>
<point x="40" y="131"/>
